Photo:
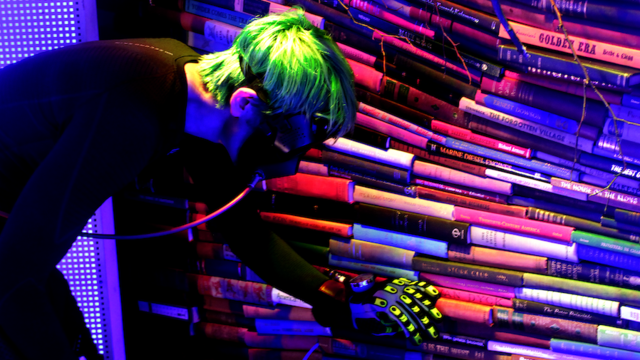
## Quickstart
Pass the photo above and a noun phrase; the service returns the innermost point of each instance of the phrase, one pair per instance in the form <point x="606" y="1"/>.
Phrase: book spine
<point x="280" y="313"/>
<point x="466" y="271"/>
<point x="216" y="13"/>
<point x="556" y="102"/>
<point x="365" y="168"/>
<point x="543" y="325"/>
<point x="306" y="223"/>
<point x="522" y="244"/>
<point x="625" y="131"/>
<point x="459" y="200"/>
<point x="361" y="266"/>
<point x="466" y="311"/>
<point x="230" y="289"/>
<point x="469" y="285"/>
<point x="391" y="130"/>
<point x="606" y="176"/>
<point x="221" y="33"/>
<point x="442" y="160"/>
<point x="412" y="223"/>
<point x="390" y="157"/>
<point x="418" y="28"/>
<point x="369" y="136"/>
<point x="627" y="217"/>
<point x="527" y="113"/>
<point x="555" y="208"/>
<point x="607" y="243"/>
<point x="592" y="49"/>
<point x="556" y="81"/>
<point x="394" y="120"/>
<point x="606" y="257"/>
<point x="631" y="101"/>
<point x="373" y="253"/>
<point x="461" y="190"/>
<point x="542" y="63"/>
<point x="372" y="182"/>
<point x="600" y="195"/>
<point x="598" y="291"/>
<point x="580" y="202"/>
<point x="290" y="327"/>
<point x="541" y="167"/>
<point x="617" y="184"/>
<point x="524" y="226"/>
<point x="437" y="172"/>
<point x="530" y="127"/>
<point x="312" y="168"/>
<point x="497" y="258"/>
<point x="611" y="165"/>
<point x="277" y="202"/>
<point x="618" y="338"/>
<point x="610" y="147"/>
<point x="399" y="202"/>
<point x="366" y="76"/>
<point x="468" y="135"/>
<point x="465" y="15"/>
<point x="460" y="351"/>
<point x="614" y="225"/>
<point x="357" y="55"/>
<point x="291" y="342"/>
<point x="472" y="297"/>
<point x="515" y="179"/>
<point x="571" y="301"/>
<point x="590" y="350"/>
<point x="207" y="250"/>
<point x="522" y="352"/>
<point x="391" y="238"/>
<point x="314" y="186"/>
<point x="565" y="312"/>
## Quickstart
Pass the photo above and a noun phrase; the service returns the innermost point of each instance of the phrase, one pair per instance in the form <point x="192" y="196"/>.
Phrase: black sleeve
<point x="249" y="237"/>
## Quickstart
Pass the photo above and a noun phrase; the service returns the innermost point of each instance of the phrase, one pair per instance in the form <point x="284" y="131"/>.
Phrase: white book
<point x="571" y="301"/>
<point x="630" y="313"/>
<point x="522" y="244"/>
<point x="437" y="172"/>
<point x="311" y="168"/>
<point x="391" y="157"/>
<point x="401" y="202"/>
<point x="527" y="126"/>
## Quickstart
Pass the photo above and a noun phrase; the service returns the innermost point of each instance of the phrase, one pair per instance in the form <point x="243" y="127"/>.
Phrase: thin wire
<point x="313" y="348"/>
<point x="587" y="80"/>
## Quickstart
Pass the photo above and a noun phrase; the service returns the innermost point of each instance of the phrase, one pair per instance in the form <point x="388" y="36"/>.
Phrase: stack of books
<point x="497" y="176"/>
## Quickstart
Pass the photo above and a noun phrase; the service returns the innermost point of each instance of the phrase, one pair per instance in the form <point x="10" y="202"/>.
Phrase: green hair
<point x="304" y="70"/>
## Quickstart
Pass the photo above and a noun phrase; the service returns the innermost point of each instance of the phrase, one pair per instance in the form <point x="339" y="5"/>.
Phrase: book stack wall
<point x="504" y="179"/>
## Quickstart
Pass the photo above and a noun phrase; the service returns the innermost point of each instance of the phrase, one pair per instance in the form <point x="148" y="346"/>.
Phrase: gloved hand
<point x="394" y="305"/>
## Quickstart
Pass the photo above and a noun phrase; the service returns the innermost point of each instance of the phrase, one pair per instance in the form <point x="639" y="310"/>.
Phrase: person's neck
<point x="203" y="119"/>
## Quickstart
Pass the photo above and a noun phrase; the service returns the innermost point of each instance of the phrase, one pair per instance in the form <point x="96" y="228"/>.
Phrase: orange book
<point x="462" y="310"/>
<point x="344" y="230"/>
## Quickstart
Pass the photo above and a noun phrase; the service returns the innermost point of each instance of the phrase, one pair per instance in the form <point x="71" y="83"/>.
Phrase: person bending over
<point x="79" y="123"/>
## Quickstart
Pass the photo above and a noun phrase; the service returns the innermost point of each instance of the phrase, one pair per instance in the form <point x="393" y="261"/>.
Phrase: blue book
<point x="627" y="217"/>
<point x="612" y="223"/>
<point x="600" y="72"/>
<point x="625" y="131"/>
<point x="611" y="165"/>
<point x="545" y="168"/>
<point x="616" y="185"/>
<point x="290" y="327"/>
<point x="631" y="101"/>
<point x="530" y="113"/>
<point x="607" y="257"/>
<point x="367" y="267"/>
<point x="591" y="350"/>
<point x="556" y="208"/>
<point x="404" y="241"/>
<point x="216" y="13"/>
<point x="607" y="146"/>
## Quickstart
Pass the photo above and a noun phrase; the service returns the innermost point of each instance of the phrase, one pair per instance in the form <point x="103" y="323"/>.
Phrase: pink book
<point x="614" y="54"/>
<point x="314" y="186"/>
<point x="569" y="87"/>
<point x="344" y="230"/>
<point x="468" y="135"/>
<point x="510" y="223"/>
<point x="388" y="15"/>
<point x="470" y="285"/>
<point x="437" y="172"/>
<point x="402" y="44"/>
<point x="357" y="55"/>
<point x="366" y="76"/>
<point x="473" y="297"/>
<point x="391" y="119"/>
<point x="596" y="194"/>
<point x="391" y="130"/>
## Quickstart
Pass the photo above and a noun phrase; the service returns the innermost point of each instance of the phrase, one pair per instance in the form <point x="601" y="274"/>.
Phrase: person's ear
<point x="241" y="100"/>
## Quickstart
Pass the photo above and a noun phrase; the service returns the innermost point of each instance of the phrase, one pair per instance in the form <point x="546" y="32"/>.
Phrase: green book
<point x="606" y="243"/>
<point x="618" y="338"/>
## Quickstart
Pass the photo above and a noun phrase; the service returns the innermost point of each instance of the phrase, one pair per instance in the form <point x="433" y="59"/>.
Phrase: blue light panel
<point x="28" y="27"/>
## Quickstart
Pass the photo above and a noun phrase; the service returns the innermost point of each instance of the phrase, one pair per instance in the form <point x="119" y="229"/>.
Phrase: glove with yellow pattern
<point x="398" y="304"/>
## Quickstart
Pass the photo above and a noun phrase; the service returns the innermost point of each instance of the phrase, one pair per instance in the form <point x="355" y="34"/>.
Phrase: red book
<point x="344" y="230"/>
<point x="459" y="200"/>
<point x="314" y="186"/>
<point x="366" y="76"/>
<point x="509" y="223"/>
<point x="472" y="297"/>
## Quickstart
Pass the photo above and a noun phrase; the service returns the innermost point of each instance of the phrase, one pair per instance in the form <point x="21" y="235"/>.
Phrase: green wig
<point x="304" y="70"/>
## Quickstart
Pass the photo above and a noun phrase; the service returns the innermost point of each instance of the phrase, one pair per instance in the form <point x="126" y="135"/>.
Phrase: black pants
<point x="54" y="173"/>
